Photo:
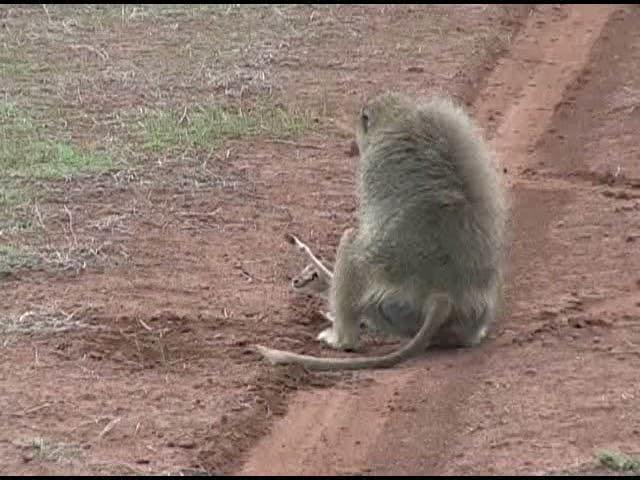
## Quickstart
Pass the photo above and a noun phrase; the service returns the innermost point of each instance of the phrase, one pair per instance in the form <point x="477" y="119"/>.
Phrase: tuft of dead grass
<point x="44" y="319"/>
<point x="42" y="449"/>
<point x="14" y="258"/>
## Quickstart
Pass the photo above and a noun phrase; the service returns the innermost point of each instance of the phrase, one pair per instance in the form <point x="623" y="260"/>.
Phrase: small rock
<point x="577" y="322"/>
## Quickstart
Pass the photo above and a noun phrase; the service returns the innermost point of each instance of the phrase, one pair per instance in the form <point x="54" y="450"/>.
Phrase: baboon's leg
<point x="466" y="331"/>
<point x="345" y="297"/>
<point x="455" y="335"/>
<point x="436" y="311"/>
<point x="398" y="319"/>
<point x="328" y="316"/>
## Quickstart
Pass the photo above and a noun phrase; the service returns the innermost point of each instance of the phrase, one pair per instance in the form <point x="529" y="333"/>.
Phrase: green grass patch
<point x="619" y="462"/>
<point x="10" y="197"/>
<point x="16" y="202"/>
<point x="13" y="68"/>
<point x="207" y="127"/>
<point x="15" y="63"/>
<point x="13" y="258"/>
<point x="26" y="151"/>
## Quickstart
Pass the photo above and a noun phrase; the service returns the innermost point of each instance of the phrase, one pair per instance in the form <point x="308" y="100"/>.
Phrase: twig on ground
<point x="73" y="234"/>
<point x="109" y="427"/>
<point x="298" y="144"/>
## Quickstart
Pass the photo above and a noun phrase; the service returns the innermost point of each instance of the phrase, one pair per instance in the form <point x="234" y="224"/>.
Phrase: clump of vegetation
<point x="13" y="258"/>
<point x="27" y="152"/>
<point x="206" y="127"/>
<point x="619" y="462"/>
<point x="44" y="450"/>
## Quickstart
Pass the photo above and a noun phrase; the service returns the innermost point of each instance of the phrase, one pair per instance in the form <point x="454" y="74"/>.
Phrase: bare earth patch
<point x="155" y="276"/>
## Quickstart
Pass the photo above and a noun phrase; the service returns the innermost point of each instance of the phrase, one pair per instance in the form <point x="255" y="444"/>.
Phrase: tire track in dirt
<point x="421" y="409"/>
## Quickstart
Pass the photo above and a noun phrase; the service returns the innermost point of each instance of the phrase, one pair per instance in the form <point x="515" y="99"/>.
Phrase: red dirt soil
<point x="161" y="376"/>
<point x="559" y="377"/>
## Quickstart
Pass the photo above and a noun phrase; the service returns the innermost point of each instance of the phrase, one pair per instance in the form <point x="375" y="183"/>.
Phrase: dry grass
<point x="14" y="258"/>
<point x="41" y="449"/>
<point x="44" y="319"/>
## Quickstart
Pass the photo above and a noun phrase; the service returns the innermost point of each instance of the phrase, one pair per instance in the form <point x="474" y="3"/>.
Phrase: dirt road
<point x="559" y="377"/>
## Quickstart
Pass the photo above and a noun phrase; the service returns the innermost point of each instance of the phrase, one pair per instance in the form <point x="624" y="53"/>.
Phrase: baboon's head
<point x="378" y="113"/>
<point x="309" y="281"/>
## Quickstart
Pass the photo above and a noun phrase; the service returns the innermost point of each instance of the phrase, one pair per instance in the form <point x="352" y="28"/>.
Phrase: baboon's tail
<point x="439" y="308"/>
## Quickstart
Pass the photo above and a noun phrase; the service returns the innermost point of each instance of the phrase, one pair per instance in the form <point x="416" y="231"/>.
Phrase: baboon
<point x="387" y="318"/>
<point x="430" y="234"/>
<point x="315" y="277"/>
<point x="311" y="281"/>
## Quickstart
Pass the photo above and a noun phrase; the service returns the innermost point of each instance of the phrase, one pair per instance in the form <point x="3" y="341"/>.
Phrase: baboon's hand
<point x="292" y="239"/>
<point x="339" y="342"/>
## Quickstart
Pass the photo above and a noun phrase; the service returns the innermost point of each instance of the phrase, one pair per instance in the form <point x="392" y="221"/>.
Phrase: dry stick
<point x="296" y="144"/>
<point x="109" y="427"/>
<point x="184" y="115"/>
<point x="147" y="327"/>
<point x="24" y="315"/>
<point x="101" y="53"/>
<point x="30" y="410"/>
<point x="75" y="240"/>
<point x="44" y="6"/>
<point x="39" y="217"/>
<point x="35" y="409"/>
<point x="200" y="214"/>
<point x="249" y="276"/>
<point x="70" y="315"/>
<point x="625" y="352"/>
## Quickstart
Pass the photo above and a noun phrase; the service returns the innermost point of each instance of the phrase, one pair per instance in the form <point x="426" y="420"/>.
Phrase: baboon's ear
<point x="365" y="119"/>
